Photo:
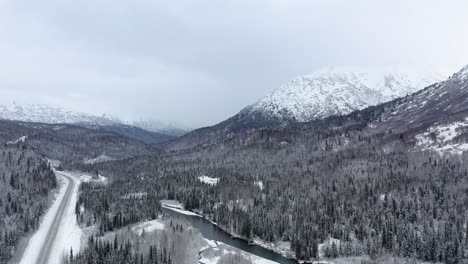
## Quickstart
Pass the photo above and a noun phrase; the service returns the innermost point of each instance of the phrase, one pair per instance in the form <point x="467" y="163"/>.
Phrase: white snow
<point x="21" y="139"/>
<point x="462" y="75"/>
<point x="148" y="227"/>
<point x="54" y="163"/>
<point x="327" y="244"/>
<point x="176" y="206"/>
<point x="134" y="195"/>
<point x="441" y="138"/>
<point x="213" y="252"/>
<point x="42" y="113"/>
<point x="182" y="211"/>
<point x="259" y="184"/>
<point x="100" y="158"/>
<point x="88" y="178"/>
<point x="341" y="90"/>
<point x="208" y="180"/>
<point x="172" y="203"/>
<point x="68" y="236"/>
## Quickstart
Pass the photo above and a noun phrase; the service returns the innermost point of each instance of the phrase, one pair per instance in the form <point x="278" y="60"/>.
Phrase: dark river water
<point x="212" y="232"/>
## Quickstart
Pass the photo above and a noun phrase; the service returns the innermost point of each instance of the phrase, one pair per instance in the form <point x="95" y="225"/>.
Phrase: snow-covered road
<point x="58" y="232"/>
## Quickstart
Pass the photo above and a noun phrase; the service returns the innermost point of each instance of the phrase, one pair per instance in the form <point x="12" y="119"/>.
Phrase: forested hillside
<point x="25" y="193"/>
<point x="348" y="179"/>
<point x="71" y="143"/>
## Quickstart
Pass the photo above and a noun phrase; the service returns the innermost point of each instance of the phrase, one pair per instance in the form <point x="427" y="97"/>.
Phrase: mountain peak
<point x="341" y="90"/>
<point x="462" y="75"/>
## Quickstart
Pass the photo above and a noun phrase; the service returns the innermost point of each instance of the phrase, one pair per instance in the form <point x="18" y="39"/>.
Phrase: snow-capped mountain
<point x="41" y="113"/>
<point x="339" y="91"/>
<point x="327" y="92"/>
<point x="161" y="127"/>
<point x="51" y="115"/>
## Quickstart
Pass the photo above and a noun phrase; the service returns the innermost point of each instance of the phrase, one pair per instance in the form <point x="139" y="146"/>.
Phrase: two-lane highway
<point x="43" y="243"/>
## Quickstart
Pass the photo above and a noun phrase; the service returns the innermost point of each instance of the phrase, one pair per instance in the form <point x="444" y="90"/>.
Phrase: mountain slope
<point x="339" y="91"/>
<point x="40" y="113"/>
<point x="70" y="142"/>
<point x="50" y="115"/>
<point x="328" y="92"/>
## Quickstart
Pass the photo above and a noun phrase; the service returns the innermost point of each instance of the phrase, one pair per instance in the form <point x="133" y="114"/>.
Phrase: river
<point x="213" y="232"/>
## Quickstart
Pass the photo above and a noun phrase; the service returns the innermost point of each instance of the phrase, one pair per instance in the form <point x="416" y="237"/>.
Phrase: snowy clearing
<point x="88" y="178"/>
<point x="149" y="226"/>
<point x="208" y="180"/>
<point x="442" y="138"/>
<point x="100" y="158"/>
<point x="176" y="209"/>
<point x="214" y="251"/>
<point x="21" y="139"/>
<point x="328" y="244"/>
<point x="137" y="195"/>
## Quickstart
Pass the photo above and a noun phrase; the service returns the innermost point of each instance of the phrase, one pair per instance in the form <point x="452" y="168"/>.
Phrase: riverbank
<point x="280" y="248"/>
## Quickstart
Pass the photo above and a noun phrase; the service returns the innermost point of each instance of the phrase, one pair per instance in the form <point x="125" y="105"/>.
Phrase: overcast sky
<point x="198" y="62"/>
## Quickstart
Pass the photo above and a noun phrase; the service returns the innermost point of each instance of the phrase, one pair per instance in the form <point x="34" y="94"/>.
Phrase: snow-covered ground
<point x="98" y="159"/>
<point x="21" y="139"/>
<point x="327" y="244"/>
<point x="442" y="138"/>
<point x="213" y="252"/>
<point x="177" y="207"/>
<point x="149" y="226"/>
<point x="89" y="178"/>
<point x="135" y="195"/>
<point x="259" y="184"/>
<point x="68" y="235"/>
<point x="208" y="180"/>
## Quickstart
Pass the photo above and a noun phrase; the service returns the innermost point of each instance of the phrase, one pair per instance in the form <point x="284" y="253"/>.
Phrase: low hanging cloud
<point x="198" y="62"/>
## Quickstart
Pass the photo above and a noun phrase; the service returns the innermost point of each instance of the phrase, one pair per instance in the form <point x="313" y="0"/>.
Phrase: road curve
<point x="48" y="245"/>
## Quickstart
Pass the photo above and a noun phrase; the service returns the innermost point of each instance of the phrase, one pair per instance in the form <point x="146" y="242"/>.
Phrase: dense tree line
<point x="117" y="252"/>
<point x="176" y="243"/>
<point x="25" y="184"/>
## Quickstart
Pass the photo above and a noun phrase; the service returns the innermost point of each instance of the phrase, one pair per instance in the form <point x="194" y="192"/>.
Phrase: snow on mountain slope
<point x="435" y="118"/>
<point x="338" y="91"/>
<point x="445" y="138"/>
<point x="55" y="115"/>
<point x="50" y="115"/>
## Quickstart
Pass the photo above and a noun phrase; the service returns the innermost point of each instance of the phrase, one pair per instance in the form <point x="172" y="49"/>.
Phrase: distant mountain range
<point x="327" y="92"/>
<point x="149" y="132"/>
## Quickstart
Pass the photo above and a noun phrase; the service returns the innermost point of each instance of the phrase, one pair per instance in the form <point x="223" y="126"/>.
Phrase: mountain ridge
<point x="306" y="98"/>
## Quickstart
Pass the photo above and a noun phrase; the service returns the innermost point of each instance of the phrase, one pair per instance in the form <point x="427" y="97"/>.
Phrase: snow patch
<point x="442" y="138"/>
<point x="214" y="250"/>
<point x="208" y="180"/>
<point x="137" y="195"/>
<point x="100" y="158"/>
<point x="177" y="207"/>
<point x="328" y="245"/>
<point x="259" y="184"/>
<point x="88" y="178"/>
<point x="21" y="139"/>
<point x="148" y="227"/>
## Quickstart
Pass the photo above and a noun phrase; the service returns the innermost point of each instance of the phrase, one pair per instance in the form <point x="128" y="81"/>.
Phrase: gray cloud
<point x="198" y="62"/>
